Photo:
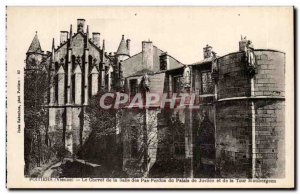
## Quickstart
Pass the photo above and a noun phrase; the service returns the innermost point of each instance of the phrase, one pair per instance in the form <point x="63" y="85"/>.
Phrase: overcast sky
<point x="182" y="32"/>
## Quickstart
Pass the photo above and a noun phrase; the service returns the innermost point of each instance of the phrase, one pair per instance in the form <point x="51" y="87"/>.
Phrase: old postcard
<point x="150" y="97"/>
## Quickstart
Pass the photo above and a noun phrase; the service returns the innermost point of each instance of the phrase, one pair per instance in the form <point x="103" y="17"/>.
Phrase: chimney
<point x="96" y="38"/>
<point x="63" y="36"/>
<point x="147" y="55"/>
<point x="164" y="61"/>
<point x="80" y="25"/>
<point x="207" y="51"/>
<point x="128" y="45"/>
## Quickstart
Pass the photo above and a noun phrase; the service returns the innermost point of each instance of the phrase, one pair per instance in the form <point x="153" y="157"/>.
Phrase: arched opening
<point x="82" y="63"/>
<point x="73" y="66"/>
<point x="73" y="62"/>
<point x="56" y="81"/>
<point x="67" y="66"/>
<point x="90" y="62"/>
<point x="73" y="88"/>
<point x="91" y="65"/>
<point x="205" y="149"/>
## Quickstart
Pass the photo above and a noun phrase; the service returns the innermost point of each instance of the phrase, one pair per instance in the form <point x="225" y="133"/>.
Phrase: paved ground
<point x="82" y="162"/>
<point x="50" y="170"/>
<point x="48" y="173"/>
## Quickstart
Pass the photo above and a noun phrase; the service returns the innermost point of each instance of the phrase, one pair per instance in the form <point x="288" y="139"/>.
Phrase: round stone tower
<point x="250" y="109"/>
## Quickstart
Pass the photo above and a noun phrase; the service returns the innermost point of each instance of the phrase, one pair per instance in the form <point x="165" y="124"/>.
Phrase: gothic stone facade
<point x="238" y="130"/>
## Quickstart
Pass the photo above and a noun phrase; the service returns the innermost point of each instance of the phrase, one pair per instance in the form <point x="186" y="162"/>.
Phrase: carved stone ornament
<point x="146" y="82"/>
<point x="250" y="59"/>
<point x="187" y="77"/>
<point x="215" y="70"/>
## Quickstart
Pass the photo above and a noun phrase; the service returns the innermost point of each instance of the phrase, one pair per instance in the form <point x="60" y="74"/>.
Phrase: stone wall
<point x="270" y="69"/>
<point x="269" y="138"/>
<point x="132" y="131"/>
<point x="234" y="82"/>
<point x="233" y="138"/>
<point x="250" y="116"/>
<point x="269" y="113"/>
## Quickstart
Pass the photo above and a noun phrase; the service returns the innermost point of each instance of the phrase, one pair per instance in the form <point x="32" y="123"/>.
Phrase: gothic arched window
<point x="73" y="58"/>
<point x="56" y="66"/>
<point x="206" y="139"/>
<point x="90" y="62"/>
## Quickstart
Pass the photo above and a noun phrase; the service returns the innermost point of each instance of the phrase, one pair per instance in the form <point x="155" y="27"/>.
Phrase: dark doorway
<point x="205" y="149"/>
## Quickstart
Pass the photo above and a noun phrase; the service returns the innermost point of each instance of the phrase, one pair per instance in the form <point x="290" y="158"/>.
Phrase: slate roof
<point x="122" y="49"/>
<point x="35" y="46"/>
<point x="73" y="36"/>
<point x="207" y="60"/>
<point x="204" y="61"/>
<point x="133" y="65"/>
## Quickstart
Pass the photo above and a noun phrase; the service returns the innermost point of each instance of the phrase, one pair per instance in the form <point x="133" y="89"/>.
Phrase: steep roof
<point x="35" y="46"/>
<point x="174" y="63"/>
<point x="206" y="60"/>
<point x="84" y="36"/>
<point x="134" y="65"/>
<point x="122" y="49"/>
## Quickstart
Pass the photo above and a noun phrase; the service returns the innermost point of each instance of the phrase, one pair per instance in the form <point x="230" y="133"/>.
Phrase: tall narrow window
<point x="56" y="66"/>
<point x="73" y="88"/>
<point x="178" y="137"/>
<point x="66" y="80"/>
<point x="73" y="63"/>
<point x="134" y="141"/>
<point x="206" y="83"/>
<point x="56" y="81"/>
<point x="89" y="76"/>
<point x="106" y="78"/>
<point x="177" y="83"/>
<point x="90" y="86"/>
<point x="206" y="139"/>
<point x="90" y="62"/>
<point x="120" y="71"/>
<point x="133" y="87"/>
<point x="83" y="82"/>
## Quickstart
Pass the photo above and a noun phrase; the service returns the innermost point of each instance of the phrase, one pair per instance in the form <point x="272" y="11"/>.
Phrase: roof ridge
<point x="168" y="54"/>
<point x="75" y="34"/>
<point x="132" y="56"/>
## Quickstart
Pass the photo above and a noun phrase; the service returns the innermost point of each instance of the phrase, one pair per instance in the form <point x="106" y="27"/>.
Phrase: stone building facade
<point x="238" y="129"/>
<point x="254" y="105"/>
<point x="239" y="121"/>
<point x="77" y="69"/>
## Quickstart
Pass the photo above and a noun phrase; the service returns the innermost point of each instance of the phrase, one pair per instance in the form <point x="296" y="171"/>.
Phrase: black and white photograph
<point x="164" y="96"/>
